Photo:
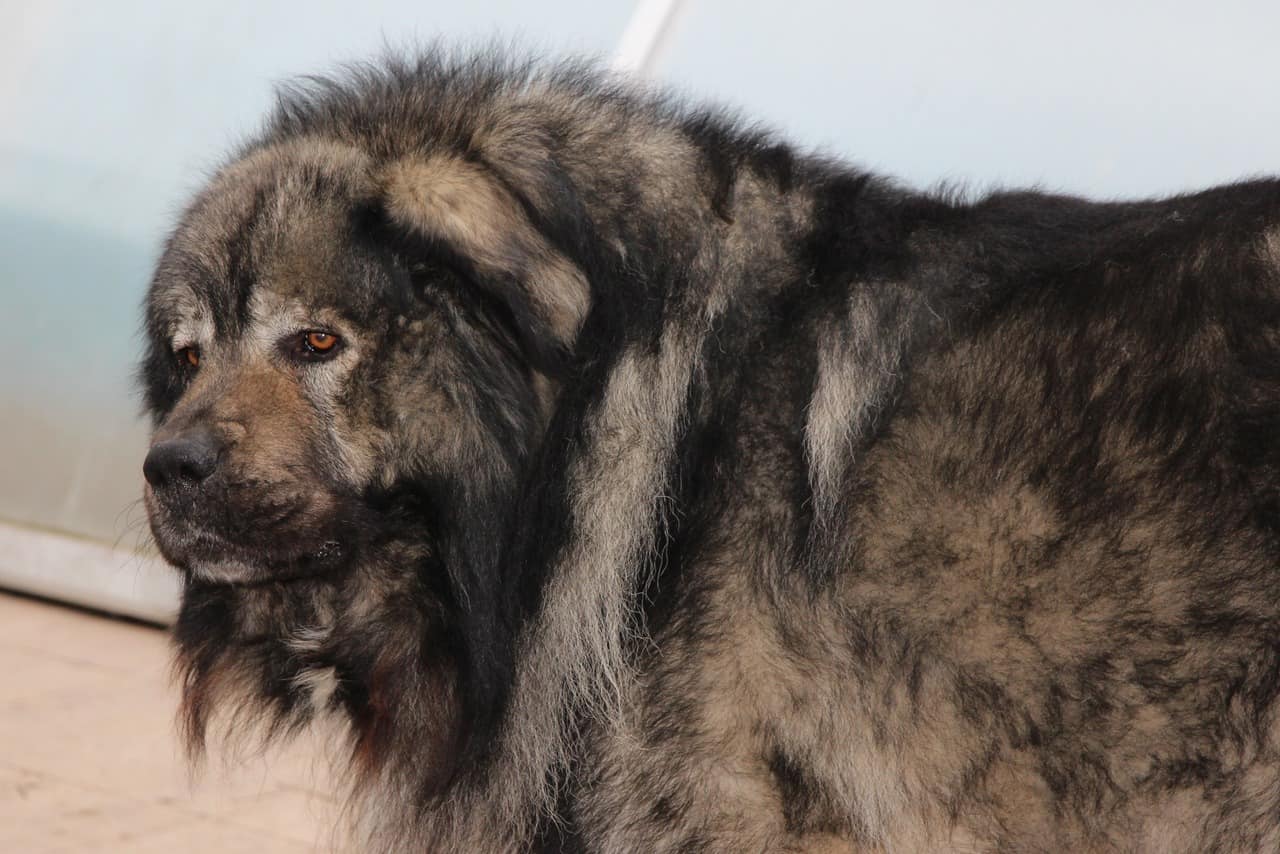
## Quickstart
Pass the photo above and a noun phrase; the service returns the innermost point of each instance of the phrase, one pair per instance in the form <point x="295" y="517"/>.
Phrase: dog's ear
<point x="463" y="208"/>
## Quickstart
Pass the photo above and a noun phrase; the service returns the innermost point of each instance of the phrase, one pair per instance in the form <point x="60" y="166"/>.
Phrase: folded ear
<point x="462" y="205"/>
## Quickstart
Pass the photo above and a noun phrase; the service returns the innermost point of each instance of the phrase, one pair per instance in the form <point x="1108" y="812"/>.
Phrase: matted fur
<point x="674" y="491"/>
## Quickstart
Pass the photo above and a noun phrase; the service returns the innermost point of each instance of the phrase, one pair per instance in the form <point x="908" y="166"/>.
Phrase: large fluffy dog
<point x="624" y="480"/>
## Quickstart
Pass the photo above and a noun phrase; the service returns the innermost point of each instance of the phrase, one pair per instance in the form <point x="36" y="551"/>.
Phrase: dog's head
<point x="350" y="361"/>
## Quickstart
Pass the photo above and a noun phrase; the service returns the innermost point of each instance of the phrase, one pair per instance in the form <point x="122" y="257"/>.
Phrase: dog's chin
<point x="207" y="560"/>
<point x="244" y="574"/>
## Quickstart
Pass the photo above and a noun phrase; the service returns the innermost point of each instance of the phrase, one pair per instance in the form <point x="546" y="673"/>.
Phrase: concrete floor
<point x="89" y="760"/>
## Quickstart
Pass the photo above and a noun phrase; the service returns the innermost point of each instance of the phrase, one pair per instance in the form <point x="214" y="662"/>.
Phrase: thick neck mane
<point x="696" y="241"/>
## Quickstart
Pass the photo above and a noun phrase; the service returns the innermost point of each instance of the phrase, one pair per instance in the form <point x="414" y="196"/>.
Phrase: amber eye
<point x="189" y="356"/>
<point x="321" y="341"/>
<point x="317" y="343"/>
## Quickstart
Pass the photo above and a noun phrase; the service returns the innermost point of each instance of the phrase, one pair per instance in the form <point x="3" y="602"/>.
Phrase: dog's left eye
<point x="316" y="344"/>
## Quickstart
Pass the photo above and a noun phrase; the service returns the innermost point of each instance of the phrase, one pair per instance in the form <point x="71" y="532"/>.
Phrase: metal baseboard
<point x="87" y="573"/>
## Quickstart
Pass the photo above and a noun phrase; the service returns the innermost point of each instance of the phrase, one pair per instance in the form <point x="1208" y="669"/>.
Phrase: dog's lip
<point x="260" y="577"/>
<point x="237" y="568"/>
<point x="268" y="579"/>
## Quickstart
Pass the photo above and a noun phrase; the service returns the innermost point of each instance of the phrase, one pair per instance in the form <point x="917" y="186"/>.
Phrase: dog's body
<point x="666" y="490"/>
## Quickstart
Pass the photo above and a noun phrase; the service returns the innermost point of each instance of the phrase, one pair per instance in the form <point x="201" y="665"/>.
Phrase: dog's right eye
<point x="320" y="342"/>
<point x="188" y="357"/>
<point x="313" y="345"/>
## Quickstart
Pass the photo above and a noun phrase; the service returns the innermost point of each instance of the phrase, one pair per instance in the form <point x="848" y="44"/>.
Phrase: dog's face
<point x="270" y="426"/>
<point x="340" y="376"/>
<point x="276" y="326"/>
<point x="301" y="363"/>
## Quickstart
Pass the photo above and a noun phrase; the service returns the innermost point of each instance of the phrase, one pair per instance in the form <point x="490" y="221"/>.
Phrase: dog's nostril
<point x="187" y="459"/>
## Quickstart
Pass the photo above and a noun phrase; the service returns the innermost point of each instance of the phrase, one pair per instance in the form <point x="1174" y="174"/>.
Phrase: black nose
<point x="188" y="459"/>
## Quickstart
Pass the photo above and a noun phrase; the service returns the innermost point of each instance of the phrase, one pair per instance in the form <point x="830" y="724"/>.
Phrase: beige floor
<point x="89" y="762"/>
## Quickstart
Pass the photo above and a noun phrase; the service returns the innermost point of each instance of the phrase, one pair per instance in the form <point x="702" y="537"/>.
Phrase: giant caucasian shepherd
<point x="622" y="479"/>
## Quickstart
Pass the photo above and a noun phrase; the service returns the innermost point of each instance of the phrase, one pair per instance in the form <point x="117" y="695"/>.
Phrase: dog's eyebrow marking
<point x="191" y="333"/>
<point x="188" y="320"/>
<point x="272" y="317"/>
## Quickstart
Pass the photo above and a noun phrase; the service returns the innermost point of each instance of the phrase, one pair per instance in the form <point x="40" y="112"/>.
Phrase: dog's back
<point x="1045" y="611"/>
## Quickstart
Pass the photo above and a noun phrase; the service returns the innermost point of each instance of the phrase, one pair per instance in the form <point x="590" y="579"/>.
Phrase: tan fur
<point x="447" y="197"/>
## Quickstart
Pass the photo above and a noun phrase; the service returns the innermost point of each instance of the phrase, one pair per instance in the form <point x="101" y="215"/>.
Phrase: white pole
<point x="646" y="35"/>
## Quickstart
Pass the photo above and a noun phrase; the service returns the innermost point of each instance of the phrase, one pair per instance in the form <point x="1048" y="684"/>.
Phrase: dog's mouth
<point x="211" y="558"/>
<point x="245" y="548"/>
<point x="325" y="564"/>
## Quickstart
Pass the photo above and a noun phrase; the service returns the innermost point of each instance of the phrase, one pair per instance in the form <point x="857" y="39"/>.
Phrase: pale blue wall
<point x="1091" y="96"/>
